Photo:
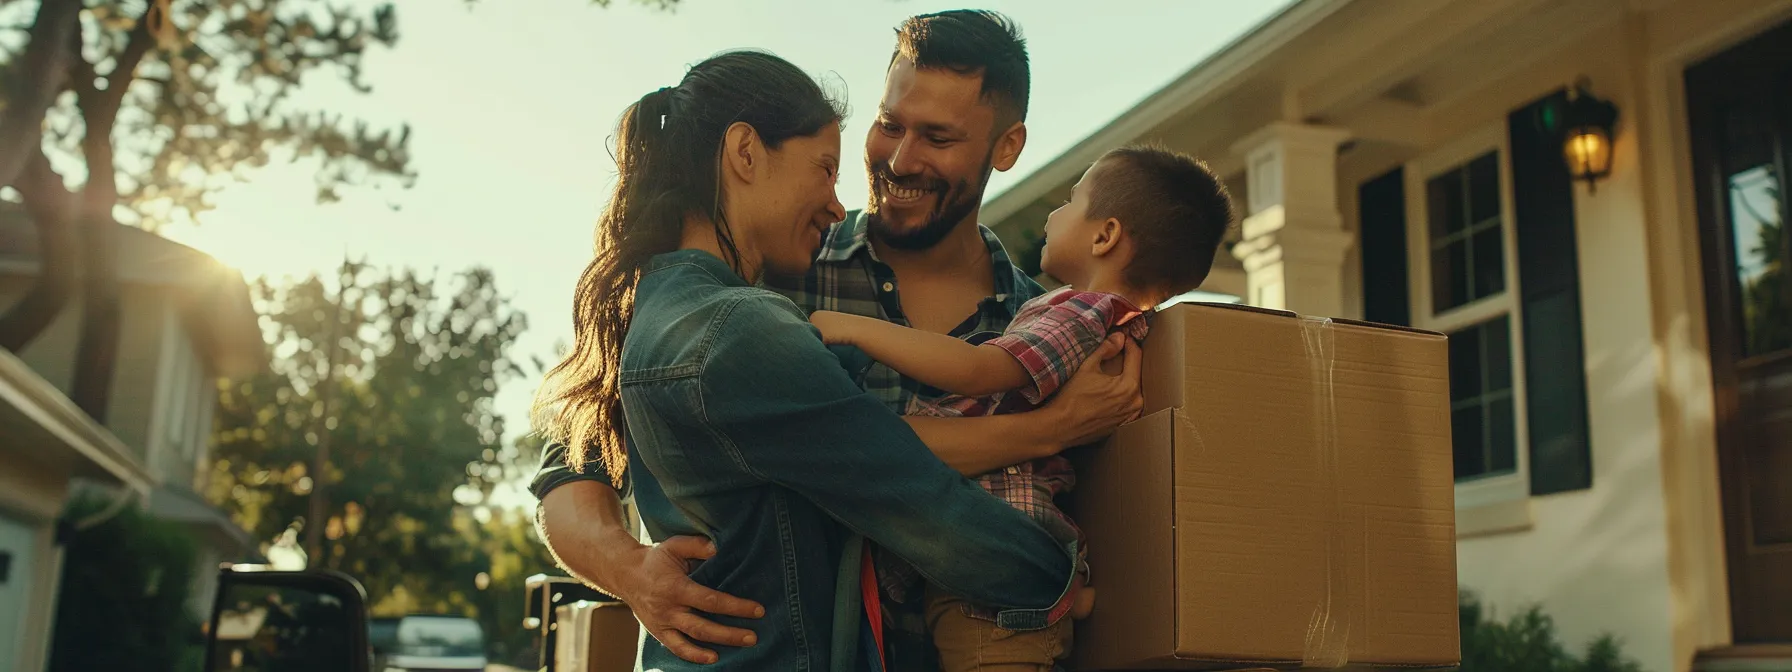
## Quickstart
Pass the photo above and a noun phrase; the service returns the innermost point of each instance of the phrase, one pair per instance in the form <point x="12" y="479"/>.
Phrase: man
<point x="953" y="111"/>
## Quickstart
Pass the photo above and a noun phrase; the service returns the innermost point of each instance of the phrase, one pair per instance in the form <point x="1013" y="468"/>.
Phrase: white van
<point x="427" y="644"/>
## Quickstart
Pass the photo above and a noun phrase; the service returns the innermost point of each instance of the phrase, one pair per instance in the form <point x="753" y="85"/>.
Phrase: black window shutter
<point x="1549" y="298"/>
<point x="1381" y="209"/>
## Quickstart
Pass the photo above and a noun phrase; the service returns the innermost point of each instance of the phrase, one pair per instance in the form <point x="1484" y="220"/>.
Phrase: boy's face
<point x="1070" y="233"/>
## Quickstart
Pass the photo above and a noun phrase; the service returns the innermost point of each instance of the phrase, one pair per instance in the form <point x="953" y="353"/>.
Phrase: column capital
<point x="1285" y="133"/>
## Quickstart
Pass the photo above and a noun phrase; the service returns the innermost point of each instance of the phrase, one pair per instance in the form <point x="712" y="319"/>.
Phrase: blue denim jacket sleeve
<point x="790" y="414"/>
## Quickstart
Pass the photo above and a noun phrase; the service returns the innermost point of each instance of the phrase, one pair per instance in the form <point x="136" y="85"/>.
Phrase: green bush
<point x="124" y="592"/>
<point x="1526" y="642"/>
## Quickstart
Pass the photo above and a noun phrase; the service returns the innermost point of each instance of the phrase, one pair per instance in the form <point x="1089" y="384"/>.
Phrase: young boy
<point x="1142" y="225"/>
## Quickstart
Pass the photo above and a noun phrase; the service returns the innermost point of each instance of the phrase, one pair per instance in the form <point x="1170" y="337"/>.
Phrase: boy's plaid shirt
<point x="848" y="277"/>
<point x="1051" y="337"/>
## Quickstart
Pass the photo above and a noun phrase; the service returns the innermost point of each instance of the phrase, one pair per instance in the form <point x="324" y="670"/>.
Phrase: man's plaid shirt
<point x="849" y="278"/>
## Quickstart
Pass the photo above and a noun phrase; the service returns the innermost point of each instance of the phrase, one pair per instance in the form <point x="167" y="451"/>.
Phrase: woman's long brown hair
<point x="668" y="153"/>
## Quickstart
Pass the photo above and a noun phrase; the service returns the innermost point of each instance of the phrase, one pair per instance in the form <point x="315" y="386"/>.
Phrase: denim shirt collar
<point x="704" y="261"/>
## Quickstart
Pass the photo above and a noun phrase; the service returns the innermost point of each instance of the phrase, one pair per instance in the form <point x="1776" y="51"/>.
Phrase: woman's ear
<point x="742" y="153"/>
<point x="1108" y="238"/>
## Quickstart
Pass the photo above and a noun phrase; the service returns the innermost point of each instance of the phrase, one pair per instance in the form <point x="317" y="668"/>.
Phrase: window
<point x="1466" y="233"/>
<point x="1478" y="241"/>
<point x="1460" y="242"/>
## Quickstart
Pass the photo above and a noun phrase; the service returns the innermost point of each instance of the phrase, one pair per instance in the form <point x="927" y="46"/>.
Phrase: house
<point x="1621" y="347"/>
<point x="186" y="322"/>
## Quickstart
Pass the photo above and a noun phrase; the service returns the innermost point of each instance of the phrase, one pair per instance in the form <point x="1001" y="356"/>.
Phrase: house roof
<point x="45" y="427"/>
<point x="212" y="298"/>
<point x="1387" y="71"/>
<point x="171" y="502"/>
<point x="1212" y="76"/>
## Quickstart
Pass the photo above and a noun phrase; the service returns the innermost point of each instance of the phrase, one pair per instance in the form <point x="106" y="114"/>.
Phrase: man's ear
<point x="1008" y="146"/>
<point x="1108" y="238"/>
<point x="742" y="153"/>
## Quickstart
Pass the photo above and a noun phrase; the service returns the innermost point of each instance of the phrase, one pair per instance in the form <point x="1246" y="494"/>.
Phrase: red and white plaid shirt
<point x="1051" y="336"/>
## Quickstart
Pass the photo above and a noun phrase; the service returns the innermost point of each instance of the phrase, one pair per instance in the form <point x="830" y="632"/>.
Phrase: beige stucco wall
<point x="1596" y="560"/>
<point x="1639" y="555"/>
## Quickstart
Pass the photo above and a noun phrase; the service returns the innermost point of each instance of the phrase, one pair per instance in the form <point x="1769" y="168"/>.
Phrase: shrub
<point x="123" y="599"/>
<point x="1527" y="642"/>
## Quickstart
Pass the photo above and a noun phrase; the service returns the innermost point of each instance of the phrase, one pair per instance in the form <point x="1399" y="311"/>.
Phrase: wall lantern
<point x="1587" y="124"/>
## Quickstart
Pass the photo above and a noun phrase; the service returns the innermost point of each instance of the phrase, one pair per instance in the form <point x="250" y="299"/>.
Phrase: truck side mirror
<point x="269" y="621"/>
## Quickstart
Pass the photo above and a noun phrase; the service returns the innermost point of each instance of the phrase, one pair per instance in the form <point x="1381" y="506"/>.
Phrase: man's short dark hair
<point x="1175" y="210"/>
<point x="973" y="41"/>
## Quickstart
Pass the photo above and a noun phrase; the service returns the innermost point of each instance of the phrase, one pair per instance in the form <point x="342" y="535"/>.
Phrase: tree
<point x="416" y="445"/>
<point x="171" y="99"/>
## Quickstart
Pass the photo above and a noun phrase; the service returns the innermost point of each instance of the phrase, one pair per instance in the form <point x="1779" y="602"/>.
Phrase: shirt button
<point x="889" y="286"/>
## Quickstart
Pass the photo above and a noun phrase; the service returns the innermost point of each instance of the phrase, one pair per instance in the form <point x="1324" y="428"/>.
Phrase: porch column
<point x="1293" y="241"/>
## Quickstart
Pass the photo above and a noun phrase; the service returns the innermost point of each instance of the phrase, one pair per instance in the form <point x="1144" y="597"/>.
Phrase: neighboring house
<point x="186" y="322"/>
<point x="1621" y="354"/>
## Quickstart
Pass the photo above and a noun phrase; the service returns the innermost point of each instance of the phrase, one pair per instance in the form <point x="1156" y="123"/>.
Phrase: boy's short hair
<point x="973" y="41"/>
<point x="1175" y="210"/>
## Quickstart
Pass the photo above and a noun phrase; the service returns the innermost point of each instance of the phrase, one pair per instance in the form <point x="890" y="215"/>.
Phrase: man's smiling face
<point x="929" y="154"/>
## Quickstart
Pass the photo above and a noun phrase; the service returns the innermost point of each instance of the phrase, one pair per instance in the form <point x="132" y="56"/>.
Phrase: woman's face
<point x="795" y="203"/>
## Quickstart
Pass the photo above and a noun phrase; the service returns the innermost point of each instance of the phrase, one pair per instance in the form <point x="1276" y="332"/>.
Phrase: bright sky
<point x="511" y="103"/>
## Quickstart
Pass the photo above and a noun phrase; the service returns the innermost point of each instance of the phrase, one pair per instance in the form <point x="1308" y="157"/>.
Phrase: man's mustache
<point x="882" y="173"/>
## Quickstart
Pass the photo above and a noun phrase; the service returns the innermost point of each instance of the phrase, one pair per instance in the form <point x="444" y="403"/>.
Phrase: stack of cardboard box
<point x="1286" y="500"/>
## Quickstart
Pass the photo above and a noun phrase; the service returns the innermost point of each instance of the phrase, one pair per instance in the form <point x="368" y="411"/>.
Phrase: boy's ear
<point x="1108" y="238"/>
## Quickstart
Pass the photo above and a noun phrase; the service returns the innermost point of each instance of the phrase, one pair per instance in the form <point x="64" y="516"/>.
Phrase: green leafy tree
<point x="138" y="111"/>
<point x="415" y="449"/>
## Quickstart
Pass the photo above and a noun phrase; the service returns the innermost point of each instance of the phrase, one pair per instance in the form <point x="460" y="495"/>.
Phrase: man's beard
<point x="954" y="204"/>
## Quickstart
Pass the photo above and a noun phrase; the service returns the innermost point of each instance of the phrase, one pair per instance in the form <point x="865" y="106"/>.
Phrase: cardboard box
<point x="596" y="637"/>
<point x="1287" y="500"/>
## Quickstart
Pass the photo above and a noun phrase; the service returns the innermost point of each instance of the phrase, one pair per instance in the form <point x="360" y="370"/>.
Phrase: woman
<point x="741" y="426"/>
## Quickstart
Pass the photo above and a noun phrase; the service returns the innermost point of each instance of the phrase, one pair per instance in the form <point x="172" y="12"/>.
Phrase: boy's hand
<point x="835" y="327"/>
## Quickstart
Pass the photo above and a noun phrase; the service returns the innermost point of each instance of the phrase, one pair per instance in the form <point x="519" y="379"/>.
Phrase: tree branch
<point x="97" y="352"/>
<point x="39" y="78"/>
<point x="50" y="206"/>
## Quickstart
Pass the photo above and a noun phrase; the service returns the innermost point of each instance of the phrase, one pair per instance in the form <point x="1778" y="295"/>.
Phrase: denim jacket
<point x="745" y="429"/>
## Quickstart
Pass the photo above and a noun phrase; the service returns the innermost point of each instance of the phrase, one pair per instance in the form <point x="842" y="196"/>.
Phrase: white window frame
<point x="1499" y="488"/>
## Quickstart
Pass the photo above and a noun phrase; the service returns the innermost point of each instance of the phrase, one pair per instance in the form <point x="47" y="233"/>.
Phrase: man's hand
<point x="655" y="583"/>
<point x="1098" y="398"/>
<point x="582" y="524"/>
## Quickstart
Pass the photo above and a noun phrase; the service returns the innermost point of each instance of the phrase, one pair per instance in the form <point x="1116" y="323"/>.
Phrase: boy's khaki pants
<point x="969" y="644"/>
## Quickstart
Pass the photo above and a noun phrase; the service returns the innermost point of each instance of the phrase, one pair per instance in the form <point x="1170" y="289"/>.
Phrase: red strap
<point x="874" y="610"/>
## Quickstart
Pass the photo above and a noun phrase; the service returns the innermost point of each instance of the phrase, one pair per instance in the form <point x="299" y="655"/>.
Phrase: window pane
<point x="1759" y="237"/>
<point x="1444" y="200"/>
<point x="1481" y="399"/>
<point x="1490" y="269"/>
<point x="1465" y="365"/>
<point x="1484" y="188"/>
<point x="1465" y="429"/>
<point x="1449" y="276"/>
<point x="1502" y="447"/>
<point x="1497" y="369"/>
